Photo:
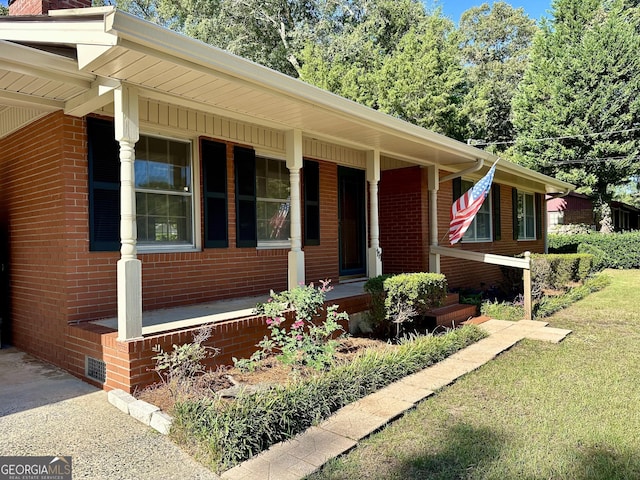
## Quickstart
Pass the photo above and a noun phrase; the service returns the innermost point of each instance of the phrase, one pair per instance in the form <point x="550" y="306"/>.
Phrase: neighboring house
<point x="143" y="170"/>
<point x="576" y="208"/>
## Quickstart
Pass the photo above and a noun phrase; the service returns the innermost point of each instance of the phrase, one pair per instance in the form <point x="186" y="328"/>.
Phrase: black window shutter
<point x="214" y="172"/>
<point x="245" y="176"/>
<point x="495" y="203"/>
<point x="457" y="188"/>
<point x="104" y="186"/>
<point x="514" y="204"/>
<point x="539" y="199"/>
<point x="311" y="175"/>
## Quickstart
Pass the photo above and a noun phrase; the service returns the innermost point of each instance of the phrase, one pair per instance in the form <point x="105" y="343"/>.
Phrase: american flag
<point x="465" y="208"/>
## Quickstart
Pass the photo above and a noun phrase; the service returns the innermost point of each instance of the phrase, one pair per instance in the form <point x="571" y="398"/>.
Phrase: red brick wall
<point x="403" y="219"/>
<point x="39" y="7"/>
<point x="31" y="191"/>
<point x="321" y="261"/>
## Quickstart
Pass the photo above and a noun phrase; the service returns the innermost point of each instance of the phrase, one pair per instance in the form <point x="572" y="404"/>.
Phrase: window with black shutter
<point x="311" y="174"/>
<point x="214" y="171"/>
<point x="104" y="186"/>
<point x="245" y="181"/>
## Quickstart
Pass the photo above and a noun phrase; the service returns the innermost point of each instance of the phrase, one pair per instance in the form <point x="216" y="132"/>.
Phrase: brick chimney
<point x="41" y="7"/>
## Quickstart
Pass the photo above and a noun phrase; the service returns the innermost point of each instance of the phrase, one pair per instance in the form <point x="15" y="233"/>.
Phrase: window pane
<point x="530" y="227"/>
<point x="273" y="220"/>
<point x="163" y="166"/>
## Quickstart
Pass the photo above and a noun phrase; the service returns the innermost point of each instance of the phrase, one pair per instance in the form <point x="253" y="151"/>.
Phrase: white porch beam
<point x="433" y="184"/>
<point x="293" y="145"/>
<point x="373" y="177"/>
<point x="126" y="121"/>
<point x="97" y="97"/>
<point x="15" y="99"/>
<point x="43" y="64"/>
<point x="37" y="72"/>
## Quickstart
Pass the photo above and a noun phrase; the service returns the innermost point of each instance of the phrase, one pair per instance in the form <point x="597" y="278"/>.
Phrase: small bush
<point x="419" y="291"/>
<point x="230" y="432"/>
<point x="179" y="368"/>
<point x="502" y="310"/>
<point x="308" y="341"/>
<point x="377" y="314"/>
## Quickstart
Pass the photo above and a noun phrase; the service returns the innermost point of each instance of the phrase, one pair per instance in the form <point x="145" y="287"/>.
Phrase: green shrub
<point x="600" y="257"/>
<point x="557" y="271"/>
<point x="418" y="291"/>
<point x="622" y="249"/>
<point x="230" y="432"/>
<point x="502" y="310"/>
<point x="377" y="314"/>
<point x="549" y="305"/>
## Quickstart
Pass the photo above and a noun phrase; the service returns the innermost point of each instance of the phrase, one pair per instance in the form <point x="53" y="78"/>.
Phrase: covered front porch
<point x="350" y="295"/>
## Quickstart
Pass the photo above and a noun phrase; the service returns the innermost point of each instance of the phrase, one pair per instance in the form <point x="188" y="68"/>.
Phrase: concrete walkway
<point x="307" y="452"/>
<point x="44" y="412"/>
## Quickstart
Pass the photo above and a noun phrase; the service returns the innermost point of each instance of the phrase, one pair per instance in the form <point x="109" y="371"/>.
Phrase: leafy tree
<point x="495" y="46"/>
<point x="4" y="10"/>
<point x="578" y="108"/>
<point x="423" y="81"/>
<point x="347" y="60"/>
<point x="272" y="33"/>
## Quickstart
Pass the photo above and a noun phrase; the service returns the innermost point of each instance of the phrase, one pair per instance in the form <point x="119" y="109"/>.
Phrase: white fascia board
<point x="59" y="29"/>
<point x="173" y="46"/>
<point x="552" y="185"/>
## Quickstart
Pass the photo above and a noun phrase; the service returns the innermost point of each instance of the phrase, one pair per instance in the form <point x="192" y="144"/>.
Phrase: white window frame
<point x="471" y="235"/>
<point x="272" y="244"/>
<point x="165" y="247"/>
<point x="528" y="236"/>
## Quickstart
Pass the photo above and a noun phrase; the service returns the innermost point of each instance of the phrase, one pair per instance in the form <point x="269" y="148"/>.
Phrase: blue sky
<point x="454" y="8"/>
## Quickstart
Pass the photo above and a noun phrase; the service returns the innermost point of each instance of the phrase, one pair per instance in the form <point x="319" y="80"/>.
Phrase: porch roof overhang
<point x="71" y="60"/>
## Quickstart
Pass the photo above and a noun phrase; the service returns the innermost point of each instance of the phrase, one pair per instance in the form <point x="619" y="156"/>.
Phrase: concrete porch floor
<point x="157" y="321"/>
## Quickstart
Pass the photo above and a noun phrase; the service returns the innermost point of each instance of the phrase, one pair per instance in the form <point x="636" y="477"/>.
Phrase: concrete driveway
<point x="44" y="411"/>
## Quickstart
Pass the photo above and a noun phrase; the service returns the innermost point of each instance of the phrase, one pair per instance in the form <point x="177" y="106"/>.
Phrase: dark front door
<point x="351" y="216"/>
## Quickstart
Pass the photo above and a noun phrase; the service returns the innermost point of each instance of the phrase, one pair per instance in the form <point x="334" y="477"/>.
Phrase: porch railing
<point x="522" y="263"/>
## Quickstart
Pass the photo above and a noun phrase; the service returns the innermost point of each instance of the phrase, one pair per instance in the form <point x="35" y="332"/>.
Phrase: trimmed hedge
<point x="622" y="250"/>
<point x="421" y="291"/>
<point x="227" y="433"/>
<point x="556" y="270"/>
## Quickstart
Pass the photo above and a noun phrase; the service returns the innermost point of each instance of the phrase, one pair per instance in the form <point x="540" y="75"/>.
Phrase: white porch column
<point x="294" y="164"/>
<point x="433" y="184"/>
<point x="129" y="267"/>
<point x="373" y="177"/>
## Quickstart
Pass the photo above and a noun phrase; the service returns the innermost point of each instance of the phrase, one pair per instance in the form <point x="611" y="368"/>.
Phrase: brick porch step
<point x="451" y="299"/>
<point x="449" y="315"/>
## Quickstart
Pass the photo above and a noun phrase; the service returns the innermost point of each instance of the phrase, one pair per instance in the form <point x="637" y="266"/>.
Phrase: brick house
<point x="577" y="208"/>
<point x="143" y="171"/>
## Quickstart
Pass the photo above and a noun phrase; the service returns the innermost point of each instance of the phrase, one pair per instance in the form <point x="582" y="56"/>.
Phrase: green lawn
<point x="538" y="411"/>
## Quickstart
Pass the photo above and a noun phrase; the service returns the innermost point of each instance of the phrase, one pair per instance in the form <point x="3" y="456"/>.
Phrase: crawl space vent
<point x="95" y="369"/>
